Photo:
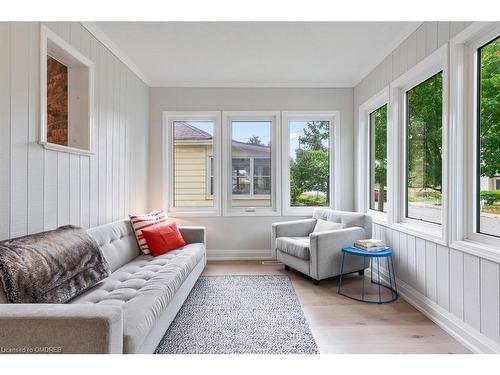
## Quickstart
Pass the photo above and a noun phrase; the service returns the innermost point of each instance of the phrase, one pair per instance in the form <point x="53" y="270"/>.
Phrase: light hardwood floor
<point x="342" y="325"/>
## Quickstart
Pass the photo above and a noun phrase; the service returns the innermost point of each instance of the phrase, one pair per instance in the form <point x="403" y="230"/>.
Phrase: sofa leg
<point x="287" y="268"/>
<point x="361" y="273"/>
<point x="316" y="282"/>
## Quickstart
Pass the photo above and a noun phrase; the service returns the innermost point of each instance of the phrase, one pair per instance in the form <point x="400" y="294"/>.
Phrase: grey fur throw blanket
<point x="50" y="267"/>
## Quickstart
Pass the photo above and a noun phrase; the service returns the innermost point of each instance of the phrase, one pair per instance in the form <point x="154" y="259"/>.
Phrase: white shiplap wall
<point x="42" y="189"/>
<point x="465" y="286"/>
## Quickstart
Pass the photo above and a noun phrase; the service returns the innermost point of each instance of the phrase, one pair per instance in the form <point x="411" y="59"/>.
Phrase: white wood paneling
<point x="490" y="299"/>
<point x="41" y="189"/>
<point x="443" y="276"/>
<point x="457" y="283"/>
<point x="472" y="292"/>
<point x="420" y="257"/>
<point x="5" y="41"/>
<point x="19" y="121"/>
<point x="431" y="270"/>
<point x="403" y="256"/>
<point x="412" y="261"/>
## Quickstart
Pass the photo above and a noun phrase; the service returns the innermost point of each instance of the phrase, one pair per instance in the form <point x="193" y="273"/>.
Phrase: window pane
<point x="378" y="159"/>
<point x="241" y="176"/>
<point x="489" y="138"/>
<point x="193" y="145"/>
<point x="262" y="176"/>
<point x="251" y="163"/>
<point x="309" y="163"/>
<point x="424" y="150"/>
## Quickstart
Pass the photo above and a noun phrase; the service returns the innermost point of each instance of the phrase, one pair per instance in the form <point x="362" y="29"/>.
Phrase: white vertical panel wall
<point x="42" y="189"/>
<point x="466" y="287"/>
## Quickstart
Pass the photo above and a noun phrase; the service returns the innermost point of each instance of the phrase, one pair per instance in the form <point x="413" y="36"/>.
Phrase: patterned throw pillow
<point x="139" y="222"/>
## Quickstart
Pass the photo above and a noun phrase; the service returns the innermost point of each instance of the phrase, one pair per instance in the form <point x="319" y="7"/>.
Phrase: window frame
<point x="169" y="117"/>
<point x="471" y="75"/>
<point x="227" y="118"/>
<point x="64" y="51"/>
<point x="334" y="158"/>
<point x="425" y="69"/>
<point x="364" y="195"/>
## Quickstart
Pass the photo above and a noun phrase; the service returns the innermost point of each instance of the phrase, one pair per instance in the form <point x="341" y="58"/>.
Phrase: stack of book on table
<point x="370" y="245"/>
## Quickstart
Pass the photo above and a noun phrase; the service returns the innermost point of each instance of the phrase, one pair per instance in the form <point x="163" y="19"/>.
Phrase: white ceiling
<point x="254" y="54"/>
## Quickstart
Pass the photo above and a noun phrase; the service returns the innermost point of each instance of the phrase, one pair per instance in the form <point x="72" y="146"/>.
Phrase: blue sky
<point x="243" y="130"/>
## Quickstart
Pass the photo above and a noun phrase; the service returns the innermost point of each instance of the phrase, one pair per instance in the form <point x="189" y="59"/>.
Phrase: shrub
<point x="491" y="196"/>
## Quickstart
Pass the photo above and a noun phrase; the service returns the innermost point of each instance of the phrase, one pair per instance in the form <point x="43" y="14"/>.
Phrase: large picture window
<point x="424" y="143"/>
<point x="488" y="138"/>
<point x="378" y="159"/>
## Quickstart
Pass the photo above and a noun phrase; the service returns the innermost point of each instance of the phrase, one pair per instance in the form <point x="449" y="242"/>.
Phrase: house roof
<point x="185" y="131"/>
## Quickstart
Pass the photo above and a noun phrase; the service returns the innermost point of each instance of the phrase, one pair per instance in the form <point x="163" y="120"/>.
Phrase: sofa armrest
<point x="60" y="328"/>
<point x="295" y="228"/>
<point x="326" y="251"/>
<point x="193" y="234"/>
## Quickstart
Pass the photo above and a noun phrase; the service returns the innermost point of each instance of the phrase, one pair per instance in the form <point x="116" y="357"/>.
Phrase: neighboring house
<point x="490" y="183"/>
<point x="194" y="165"/>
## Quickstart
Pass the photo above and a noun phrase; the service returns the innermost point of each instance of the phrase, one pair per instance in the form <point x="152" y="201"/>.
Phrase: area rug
<point x="240" y="315"/>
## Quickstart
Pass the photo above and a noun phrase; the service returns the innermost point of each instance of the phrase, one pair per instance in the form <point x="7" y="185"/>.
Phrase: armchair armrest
<point x="193" y="234"/>
<point x="60" y="328"/>
<point x="295" y="228"/>
<point x="326" y="251"/>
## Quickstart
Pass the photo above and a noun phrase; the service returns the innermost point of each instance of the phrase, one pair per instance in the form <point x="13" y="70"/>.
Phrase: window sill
<point x="378" y="217"/>
<point x="426" y="231"/>
<point x="67" y="149"/>
<point x="252" y="213"/>
<point x="193" y="214"/>
<point x="477" y="249"/>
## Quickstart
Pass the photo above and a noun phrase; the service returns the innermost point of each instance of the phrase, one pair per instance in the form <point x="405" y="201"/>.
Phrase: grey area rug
<point x="240" y="315"/>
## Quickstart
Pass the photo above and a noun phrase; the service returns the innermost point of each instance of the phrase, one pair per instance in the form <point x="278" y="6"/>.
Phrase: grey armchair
<point x="319" y="254"/>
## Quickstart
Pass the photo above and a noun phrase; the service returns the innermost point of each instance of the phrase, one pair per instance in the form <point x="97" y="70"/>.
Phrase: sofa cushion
<point x="296" y="246"/>
<point x="143" y="289"/>
<point x="117" y="242"/>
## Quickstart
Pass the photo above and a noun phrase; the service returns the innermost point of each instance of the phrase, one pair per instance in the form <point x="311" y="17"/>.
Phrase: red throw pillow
<point x="162" y="238"/>
<point x="140" y="222"/>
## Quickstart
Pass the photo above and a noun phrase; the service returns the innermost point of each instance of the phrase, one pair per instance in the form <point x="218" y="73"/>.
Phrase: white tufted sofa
<point x="128" y="312"/>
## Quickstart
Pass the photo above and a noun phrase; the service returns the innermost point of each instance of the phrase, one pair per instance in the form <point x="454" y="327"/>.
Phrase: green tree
<point x="425" y="134"/>
<point x="314" y="135"/>
<point x="490" y="108"/>
<point x="310" y="169"/>
<point x="378" y="119"/>
<point x="255" y="140"/>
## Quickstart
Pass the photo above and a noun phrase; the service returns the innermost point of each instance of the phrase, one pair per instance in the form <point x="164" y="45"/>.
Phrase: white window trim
<point x="433" y="64"/>
<point x="375" y="102"/>
<point x="227" y="118"/>
<point x="168" y="161"/>
<point x="463" y="55"/>
<point x="64" y="48"/>
<point x="334" y="143"/>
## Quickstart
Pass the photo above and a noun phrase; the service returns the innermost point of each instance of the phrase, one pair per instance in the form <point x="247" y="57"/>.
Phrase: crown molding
<point x="102" y="37"/>
<point x="312" y="85"/>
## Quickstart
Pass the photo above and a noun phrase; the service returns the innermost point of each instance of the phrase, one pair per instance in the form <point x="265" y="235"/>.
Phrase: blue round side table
<point x="373" y="257"/>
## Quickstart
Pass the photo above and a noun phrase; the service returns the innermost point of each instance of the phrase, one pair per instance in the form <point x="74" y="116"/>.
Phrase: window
<point x="424" y="144"/>
<point x="66" y="96"/>
<point x="378" y="159"/>
<point x="488" y="139"/>
<point x="308" y="161"/>
<point x="191" y="160"/>
<point x="251" y="151"/>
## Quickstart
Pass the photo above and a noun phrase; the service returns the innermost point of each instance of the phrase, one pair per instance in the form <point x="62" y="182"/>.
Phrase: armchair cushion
<point x="297" y="246"/>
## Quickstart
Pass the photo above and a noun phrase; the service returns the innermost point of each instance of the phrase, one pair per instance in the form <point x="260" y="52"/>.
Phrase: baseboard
<point x="461" y="331"/>
<point x="224" y="254"/>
